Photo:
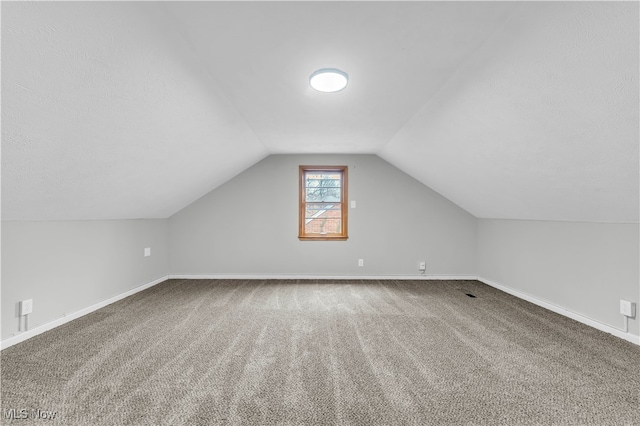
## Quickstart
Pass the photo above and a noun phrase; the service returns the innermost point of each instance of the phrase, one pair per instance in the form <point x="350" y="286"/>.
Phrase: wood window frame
<point x="343" y="234"/>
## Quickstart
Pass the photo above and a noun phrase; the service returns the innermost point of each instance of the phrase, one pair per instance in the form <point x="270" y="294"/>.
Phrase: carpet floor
<point x="211" y="352"/>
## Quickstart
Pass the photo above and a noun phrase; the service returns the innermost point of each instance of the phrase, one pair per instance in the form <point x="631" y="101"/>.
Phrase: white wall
<point x="585" y="268"/>
<point x="250" y="225"/>
<point x="70" y="265"/>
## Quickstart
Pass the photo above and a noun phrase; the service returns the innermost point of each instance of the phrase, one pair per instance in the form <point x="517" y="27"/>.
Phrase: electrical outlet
<point x="627" y="308"/>
<point x="26" y="307"/>
<point x="147" y="252"/>
<point x="360" y="262"/>
<point x="422" y="266"/>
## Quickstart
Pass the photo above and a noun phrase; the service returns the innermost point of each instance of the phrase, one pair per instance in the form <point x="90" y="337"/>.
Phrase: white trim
<point x="21" y="337"/>
<point x="565" y="312"/>
<point x="316" y="277"/>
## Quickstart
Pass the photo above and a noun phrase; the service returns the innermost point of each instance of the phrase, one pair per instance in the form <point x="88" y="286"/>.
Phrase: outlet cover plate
<point x="627" y="308"/>
<point x="26" y="307"/>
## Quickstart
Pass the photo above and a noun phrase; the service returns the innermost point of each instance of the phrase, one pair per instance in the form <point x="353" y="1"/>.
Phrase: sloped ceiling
<point x="135" y="109"/>
<point x="107" y="113"/>
<point x="541" y="122"/>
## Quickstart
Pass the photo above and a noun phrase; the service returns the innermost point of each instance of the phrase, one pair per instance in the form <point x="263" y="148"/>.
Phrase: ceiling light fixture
<point x="328" y="80"/>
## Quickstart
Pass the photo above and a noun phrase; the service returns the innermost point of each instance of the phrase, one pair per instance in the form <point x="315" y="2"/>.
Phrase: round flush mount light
<point x="328" y="80"/>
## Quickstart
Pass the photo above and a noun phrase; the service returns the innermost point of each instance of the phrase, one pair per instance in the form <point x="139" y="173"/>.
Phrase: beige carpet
<point x="321" y="353"/>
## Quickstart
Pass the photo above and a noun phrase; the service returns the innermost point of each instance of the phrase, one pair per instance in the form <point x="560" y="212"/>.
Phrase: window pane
<point x="318" y="181"/>
<point x="323" y="194"/>
<point x="322" y="186"/>
<point x="323" y="219"/>
<point x="322" y="174"/>
<point x="323" y="225"/>
<point x="321" y="214"/>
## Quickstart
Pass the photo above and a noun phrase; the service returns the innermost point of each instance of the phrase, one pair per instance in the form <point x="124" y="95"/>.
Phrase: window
<point x="323" y="203"/>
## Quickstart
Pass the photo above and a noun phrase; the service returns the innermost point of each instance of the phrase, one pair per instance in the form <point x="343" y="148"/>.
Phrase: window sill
<point x="323" y="238"/>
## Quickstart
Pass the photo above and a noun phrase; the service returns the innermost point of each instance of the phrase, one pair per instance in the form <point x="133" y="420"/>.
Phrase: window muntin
<point x="323" y="203"/>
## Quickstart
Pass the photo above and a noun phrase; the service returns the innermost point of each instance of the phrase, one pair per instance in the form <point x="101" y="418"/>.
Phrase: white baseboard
<point x="21" y="337"/>
<point x="317" y="277"/>
<point x="565" y="312"/>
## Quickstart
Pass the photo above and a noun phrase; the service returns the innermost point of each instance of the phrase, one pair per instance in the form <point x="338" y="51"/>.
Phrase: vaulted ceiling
<point x="136" y="109"/>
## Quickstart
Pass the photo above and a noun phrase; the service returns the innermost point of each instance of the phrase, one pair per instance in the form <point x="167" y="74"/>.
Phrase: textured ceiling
<point x="541" y="122"/>
<point x="135" y="109"/>
<point x="108" y="114"/>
